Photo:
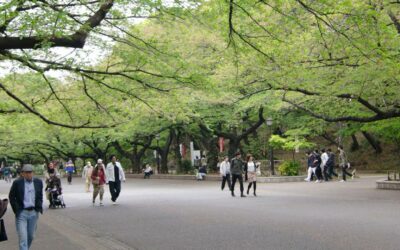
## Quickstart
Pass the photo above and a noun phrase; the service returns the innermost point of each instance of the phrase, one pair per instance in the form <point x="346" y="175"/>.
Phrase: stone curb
<point x="384" y="184"/>
<point x="277" y="179"/>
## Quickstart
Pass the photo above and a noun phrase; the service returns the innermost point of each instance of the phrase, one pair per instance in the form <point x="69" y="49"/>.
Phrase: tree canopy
<point x="128" y="71"/>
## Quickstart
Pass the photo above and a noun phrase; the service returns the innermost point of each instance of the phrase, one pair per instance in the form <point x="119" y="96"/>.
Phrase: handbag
<point x="3" y="234"/>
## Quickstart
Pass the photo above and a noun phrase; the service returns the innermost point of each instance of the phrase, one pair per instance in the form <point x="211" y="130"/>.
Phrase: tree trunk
<point x="373" y="142"/>
<point x="354" y="145"/>
<point x="233" y="147"/>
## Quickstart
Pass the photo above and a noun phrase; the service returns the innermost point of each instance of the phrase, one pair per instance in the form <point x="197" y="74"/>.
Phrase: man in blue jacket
<point x="26" y="199"/>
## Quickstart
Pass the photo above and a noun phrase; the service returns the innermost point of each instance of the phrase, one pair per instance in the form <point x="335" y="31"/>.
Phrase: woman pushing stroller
<point x="54" y="190"/>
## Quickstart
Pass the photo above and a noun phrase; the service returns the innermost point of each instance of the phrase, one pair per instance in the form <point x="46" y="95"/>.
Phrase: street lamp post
<point x="157" y="156"/>
<point x="269" y="122"/>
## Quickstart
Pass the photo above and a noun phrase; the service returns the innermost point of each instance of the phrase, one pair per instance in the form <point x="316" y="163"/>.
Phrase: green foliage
<point x="184" y="68"/>
<point x="289" y="143"/>
<point x="289" y="168"/>
<point x="185" y="167"/>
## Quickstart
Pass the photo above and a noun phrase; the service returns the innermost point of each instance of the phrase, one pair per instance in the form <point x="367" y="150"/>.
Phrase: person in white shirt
<point x="114" y="175"/>
<point x="324" y="160"/>
<point x="251" y="174"/>
<point x="225" y="171"/>
<point x="148" y="171"/>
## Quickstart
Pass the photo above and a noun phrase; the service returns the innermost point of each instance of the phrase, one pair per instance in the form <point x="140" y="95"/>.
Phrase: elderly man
<point x="26" y="199"/>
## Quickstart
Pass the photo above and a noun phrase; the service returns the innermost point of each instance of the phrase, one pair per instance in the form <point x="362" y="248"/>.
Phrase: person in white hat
<point x="26" y="199"/>
<point x="87" y="174"/>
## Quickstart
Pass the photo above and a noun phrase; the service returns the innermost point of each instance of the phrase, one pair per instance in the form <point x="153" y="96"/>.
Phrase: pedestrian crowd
<point x="26" y="193"/>
<point x="321" y="164"/>
<point x="233" y="170"/>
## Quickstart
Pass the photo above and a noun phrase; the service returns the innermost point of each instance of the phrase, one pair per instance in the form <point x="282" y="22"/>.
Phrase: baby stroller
<point x="55" y="193"/>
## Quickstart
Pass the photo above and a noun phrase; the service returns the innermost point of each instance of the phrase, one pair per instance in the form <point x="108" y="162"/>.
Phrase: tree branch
<point x="76" y="40"/>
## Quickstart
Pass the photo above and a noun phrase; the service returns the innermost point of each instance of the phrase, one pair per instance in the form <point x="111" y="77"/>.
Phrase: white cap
<point x="99" y="161"/>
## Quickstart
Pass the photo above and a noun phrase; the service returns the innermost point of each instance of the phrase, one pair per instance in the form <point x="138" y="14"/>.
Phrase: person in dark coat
<point x="237" y="166"/>
<point x="26" y="199"/>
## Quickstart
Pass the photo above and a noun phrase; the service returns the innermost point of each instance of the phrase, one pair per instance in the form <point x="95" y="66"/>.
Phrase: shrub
<point x="289" y="168"/>
<point x="185" y="167"/>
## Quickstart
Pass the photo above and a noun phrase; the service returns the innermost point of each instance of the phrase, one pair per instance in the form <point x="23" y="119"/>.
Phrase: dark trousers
<point x="226" y="178"/>
<point x="234" y="178"/>
<point x="115" y="189"/>
<point x="325" y="173"/>
<point x="331" y="172"/>
<point x="318" y="173"/>
<point x="69" y="177"/>
<point x="344" y="173"/>
<point x="254" y="183"/>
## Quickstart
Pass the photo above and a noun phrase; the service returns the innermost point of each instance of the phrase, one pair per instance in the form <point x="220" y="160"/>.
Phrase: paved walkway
<point x="165" y="214"/>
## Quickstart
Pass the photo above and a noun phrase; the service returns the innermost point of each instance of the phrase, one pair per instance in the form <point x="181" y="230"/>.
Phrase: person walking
<point x="310" y="162"/>
<point x="114" y="175"/>
<point x="98" y="179"/>
<point x="26" y="199"/>
<point x="330" y="164"/>
<point x="317" y="166"/>
<point x="343" y="163"/>
<point x="87" y="174"/>
<point x="324" y="167"/>
<point x="7" y="174"/>
<point x="251" y="174"/>
<point x="69" y="169"/>
<point x="225" y="171"/>
<point x="237" y="174"/>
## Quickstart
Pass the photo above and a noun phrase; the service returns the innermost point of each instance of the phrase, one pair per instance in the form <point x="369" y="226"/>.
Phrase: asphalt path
<point x="169" y="214"/>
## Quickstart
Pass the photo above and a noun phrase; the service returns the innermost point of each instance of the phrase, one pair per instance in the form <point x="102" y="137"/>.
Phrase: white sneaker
<point x="307" y="180"/>
<point x="342" y="181"/>
<point x="317" y="181"/>
<point x="114" y="203"/>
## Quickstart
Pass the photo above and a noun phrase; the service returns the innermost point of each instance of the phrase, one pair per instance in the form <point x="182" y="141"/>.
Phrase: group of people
<point x="321" y="164"/>
<point x="235" y="169"/>
<point x="100" y="175"/>
<point x="26" y="193"/>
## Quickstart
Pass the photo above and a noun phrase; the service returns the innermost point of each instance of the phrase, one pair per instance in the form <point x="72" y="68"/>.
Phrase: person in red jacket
<point x="98" y="178"/>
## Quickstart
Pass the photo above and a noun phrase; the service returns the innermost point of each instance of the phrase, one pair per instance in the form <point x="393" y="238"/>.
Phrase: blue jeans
<point x="26" y="227"/>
